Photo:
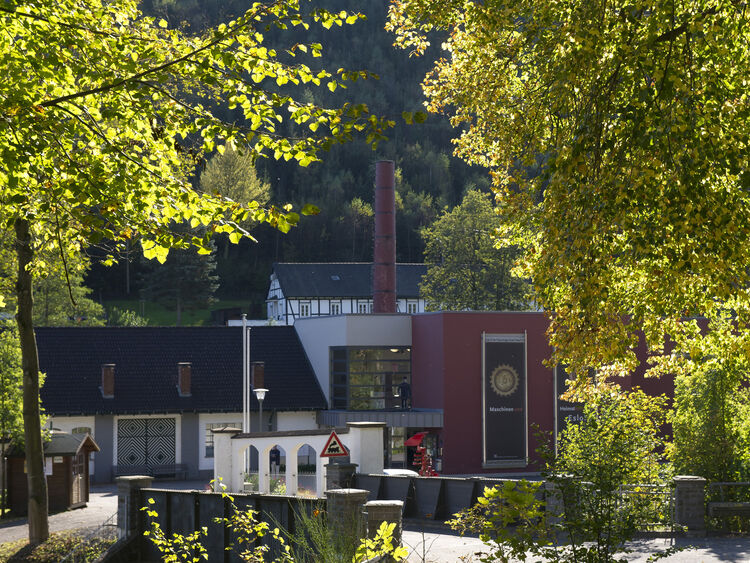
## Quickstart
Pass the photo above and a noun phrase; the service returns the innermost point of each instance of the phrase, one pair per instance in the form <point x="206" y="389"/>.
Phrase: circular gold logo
<point x="504" y="380"/>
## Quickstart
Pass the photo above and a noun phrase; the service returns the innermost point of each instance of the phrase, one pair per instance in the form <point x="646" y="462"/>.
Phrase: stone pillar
<point x="365" y="443"/>
<point x="128" y="504"/>
<point x="345" y="511"/>
<point x="379" y="511"/>
<point x="340" y="475"/>
<point x="225" y="464"/>
<point x="690" y="503"/>
<point x="264" y="471"/>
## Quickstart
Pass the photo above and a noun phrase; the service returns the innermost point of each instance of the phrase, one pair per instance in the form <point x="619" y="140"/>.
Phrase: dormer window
<point x="334" y="277"/>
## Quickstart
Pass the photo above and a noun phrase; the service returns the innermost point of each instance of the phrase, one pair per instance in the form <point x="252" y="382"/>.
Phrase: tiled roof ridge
<point x="342" y="262"/>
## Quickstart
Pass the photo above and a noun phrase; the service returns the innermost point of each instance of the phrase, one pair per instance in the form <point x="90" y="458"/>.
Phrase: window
<point x="368" y="378"/>
<point x="210" y="435"/>
<point x="304" y="309"/>
<point x="362" y="308"/>
<point x="335" y="308"/>
<point x="412" y="308"/>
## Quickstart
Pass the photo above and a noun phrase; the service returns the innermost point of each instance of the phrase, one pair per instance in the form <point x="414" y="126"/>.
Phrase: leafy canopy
<point x="97" y="134"/>
<point x="617" y="138"/>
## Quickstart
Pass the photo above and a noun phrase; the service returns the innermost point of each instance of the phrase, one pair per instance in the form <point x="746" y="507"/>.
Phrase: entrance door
<point x="78" y="486"/>
<point x="146" y="441"/>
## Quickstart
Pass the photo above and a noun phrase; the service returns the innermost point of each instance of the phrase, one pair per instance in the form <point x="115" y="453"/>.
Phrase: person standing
<point x="404" y="391"/>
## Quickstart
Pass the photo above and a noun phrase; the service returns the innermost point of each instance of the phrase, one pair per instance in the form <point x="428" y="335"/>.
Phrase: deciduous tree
<point x="618" y="138"/>
<point x="465" y="268"/>
<point x="103" y="113"/>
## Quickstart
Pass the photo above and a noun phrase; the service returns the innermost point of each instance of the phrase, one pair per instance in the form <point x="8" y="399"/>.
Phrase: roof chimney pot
<point x="108" y="381"/>
<point x="257" y="371"/>
<point x="184" y="372"/>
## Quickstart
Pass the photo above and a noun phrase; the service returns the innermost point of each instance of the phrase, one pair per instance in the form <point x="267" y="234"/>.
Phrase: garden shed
<point x="66" y="459"/>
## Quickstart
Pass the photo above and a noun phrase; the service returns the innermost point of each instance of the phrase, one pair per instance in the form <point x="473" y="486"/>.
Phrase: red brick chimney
<point x="184" y="371"/>
<point x="384" y="255"/>
<point x="108" y="381"/>
<point x="257" y="374"/>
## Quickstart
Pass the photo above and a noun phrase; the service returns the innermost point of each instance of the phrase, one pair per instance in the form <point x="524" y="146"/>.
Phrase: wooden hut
<point x="66" y="459"/>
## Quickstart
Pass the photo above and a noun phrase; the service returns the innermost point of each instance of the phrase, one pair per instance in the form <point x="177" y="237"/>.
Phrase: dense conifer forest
<point x="429" y="178"/>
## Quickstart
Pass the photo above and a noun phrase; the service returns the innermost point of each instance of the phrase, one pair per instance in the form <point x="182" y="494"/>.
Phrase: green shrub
<point x="584" y="515"/>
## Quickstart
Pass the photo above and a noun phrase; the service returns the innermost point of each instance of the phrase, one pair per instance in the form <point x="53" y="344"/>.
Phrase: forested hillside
<point x="429" y="178"/>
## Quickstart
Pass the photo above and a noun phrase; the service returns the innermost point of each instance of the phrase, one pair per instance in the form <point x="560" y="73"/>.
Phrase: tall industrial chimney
<point x="384" y="255"/>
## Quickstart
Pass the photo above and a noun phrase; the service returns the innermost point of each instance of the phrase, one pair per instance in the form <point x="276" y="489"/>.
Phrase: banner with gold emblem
<point x="504" y="400"/>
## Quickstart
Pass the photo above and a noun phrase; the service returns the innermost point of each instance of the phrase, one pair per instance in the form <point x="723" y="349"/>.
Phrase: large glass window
<point x="368" y="378"/>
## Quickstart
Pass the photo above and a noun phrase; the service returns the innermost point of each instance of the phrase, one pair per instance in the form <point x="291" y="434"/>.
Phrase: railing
<point x="94" y="543"/>
<point x="653" y="503"/>
<point x="438" y="498"/>
<point x="277" y="486"/>
<point x="728" y="505"/>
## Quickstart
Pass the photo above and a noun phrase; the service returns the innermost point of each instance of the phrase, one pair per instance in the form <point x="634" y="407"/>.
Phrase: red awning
<point x="416" y="439"/>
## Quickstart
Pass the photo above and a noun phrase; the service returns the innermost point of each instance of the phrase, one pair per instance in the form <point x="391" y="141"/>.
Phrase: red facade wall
<point x="447" y="374"/>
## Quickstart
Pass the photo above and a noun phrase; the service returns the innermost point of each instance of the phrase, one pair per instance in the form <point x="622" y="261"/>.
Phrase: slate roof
<point x="319" y="279"/>
<point x="146" y="361"/>
<point x="60" y="443"/>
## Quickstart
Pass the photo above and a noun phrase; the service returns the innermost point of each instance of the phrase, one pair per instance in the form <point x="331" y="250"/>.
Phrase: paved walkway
<point x="433" y="546"/>
<point x="430" y="547"/>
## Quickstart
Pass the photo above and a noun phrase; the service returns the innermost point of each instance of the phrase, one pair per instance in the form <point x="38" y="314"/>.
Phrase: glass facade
<point x="368" y="378"/>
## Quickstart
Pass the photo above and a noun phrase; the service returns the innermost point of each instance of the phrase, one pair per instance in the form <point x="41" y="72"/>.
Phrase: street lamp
<point x="260" y="394"/>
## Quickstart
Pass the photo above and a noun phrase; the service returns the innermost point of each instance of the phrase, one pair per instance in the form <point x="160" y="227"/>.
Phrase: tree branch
<point x="137" y="76"/>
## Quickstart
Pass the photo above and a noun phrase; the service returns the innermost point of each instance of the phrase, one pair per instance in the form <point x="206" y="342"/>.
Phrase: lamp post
<point x="260" y="394"/>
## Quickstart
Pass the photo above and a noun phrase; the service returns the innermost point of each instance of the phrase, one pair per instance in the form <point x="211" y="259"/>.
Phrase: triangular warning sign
<point x="334" y="447"/>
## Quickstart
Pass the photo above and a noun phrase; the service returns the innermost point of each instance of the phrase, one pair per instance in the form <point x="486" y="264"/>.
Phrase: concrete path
<point x="433" y="545"/>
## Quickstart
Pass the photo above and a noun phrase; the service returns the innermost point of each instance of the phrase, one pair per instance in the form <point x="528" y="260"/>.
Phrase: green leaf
<point x="309" y="209"/>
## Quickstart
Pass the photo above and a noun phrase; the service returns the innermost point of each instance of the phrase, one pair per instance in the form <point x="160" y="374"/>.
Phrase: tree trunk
<point x="3" y="483"/>
<point x="32" y="427"/>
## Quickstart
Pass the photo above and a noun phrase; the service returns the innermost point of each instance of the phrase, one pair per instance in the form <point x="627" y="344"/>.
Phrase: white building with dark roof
<point x="300" y="290"/>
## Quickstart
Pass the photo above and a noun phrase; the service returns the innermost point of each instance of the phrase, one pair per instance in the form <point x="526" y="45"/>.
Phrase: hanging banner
<point x="504" y="400"/>
<point x="565" y="411"/>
